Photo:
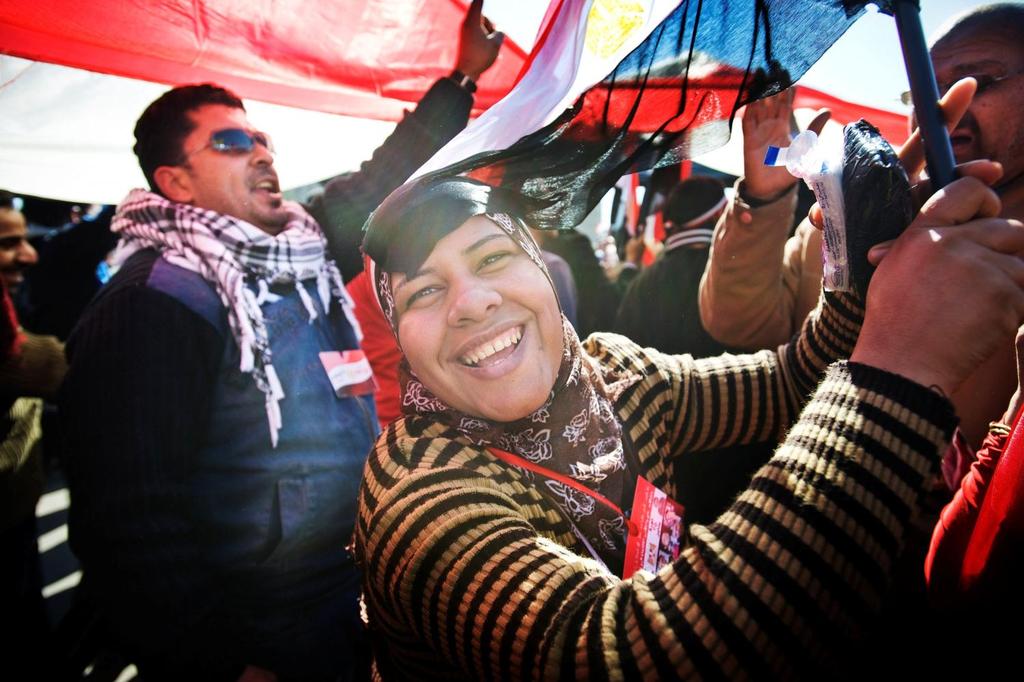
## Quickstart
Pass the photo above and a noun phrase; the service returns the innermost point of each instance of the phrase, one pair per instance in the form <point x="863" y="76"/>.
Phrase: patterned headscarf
<point x="575" y="432"/>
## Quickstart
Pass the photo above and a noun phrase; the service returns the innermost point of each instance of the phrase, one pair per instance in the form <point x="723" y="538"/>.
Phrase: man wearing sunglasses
<point x="218" y="408"/>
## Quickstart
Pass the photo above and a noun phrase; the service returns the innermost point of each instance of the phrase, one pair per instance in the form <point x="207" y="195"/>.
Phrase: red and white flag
<point x="617" y="86"/>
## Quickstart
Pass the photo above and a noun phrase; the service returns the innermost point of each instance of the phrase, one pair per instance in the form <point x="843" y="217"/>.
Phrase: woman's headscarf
<point x="576" y="431"/>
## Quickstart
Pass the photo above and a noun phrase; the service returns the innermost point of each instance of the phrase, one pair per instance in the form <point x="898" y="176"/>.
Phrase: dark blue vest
<point x="278" y="519"/>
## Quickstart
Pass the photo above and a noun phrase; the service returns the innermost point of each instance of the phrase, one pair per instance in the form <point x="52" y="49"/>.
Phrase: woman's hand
<point x="768" y="122"/>
<point x="949" y="290"/>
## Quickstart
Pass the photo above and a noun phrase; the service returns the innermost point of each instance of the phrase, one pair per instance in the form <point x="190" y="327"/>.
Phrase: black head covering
<point x="692" y="198"/>
<point x="401" y="233"/>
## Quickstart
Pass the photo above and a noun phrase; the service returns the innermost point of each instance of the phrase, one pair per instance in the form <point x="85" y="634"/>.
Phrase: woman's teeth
<point x="486" y="350"/>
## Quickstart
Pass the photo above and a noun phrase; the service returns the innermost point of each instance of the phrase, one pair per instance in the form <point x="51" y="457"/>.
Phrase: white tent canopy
<point x="67" y="134"/>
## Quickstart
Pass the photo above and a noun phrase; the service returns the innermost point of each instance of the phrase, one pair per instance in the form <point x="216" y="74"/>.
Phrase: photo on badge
<point x="657" y="534"/>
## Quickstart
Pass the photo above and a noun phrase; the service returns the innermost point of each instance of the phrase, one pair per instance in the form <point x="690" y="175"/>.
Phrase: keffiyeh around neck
<point x="575" y="432"/>
<point x="241" y="262"/>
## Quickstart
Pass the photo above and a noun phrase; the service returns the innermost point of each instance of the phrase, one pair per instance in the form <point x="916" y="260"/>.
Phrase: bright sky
<point x="864" y="66"/>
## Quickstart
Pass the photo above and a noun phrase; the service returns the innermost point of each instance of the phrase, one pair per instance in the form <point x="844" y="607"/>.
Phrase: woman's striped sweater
<point x="470" y="572"/>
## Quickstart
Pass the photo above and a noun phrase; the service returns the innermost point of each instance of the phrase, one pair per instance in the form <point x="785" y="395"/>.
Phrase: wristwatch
<point x="754" y="202"/>
<point x="463" y="81"/>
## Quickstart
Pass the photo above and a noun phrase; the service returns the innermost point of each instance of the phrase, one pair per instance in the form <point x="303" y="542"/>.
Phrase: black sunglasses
<point x="235" y="141"/>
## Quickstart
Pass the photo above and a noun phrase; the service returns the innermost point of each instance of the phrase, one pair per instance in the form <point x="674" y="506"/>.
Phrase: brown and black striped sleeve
<point x="469" y="571"/>
<point x="720" y="401"/>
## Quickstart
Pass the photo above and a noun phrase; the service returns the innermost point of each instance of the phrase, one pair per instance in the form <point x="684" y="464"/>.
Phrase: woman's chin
<point x="509" y="413"/>
<point x="506" y="404"/>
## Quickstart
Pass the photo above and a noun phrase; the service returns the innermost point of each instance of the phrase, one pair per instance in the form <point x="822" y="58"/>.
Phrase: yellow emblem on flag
<point x="610" y="23"/>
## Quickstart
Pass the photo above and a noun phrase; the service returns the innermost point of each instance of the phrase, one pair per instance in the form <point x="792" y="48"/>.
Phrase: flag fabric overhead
<point x="893" y="125"/>
<point x="671" y="97"/>
<point x="579" y="43"/>
<point x="66" y="133"/>
<point x="62" y="135"/>
<point x="365" y="58"/>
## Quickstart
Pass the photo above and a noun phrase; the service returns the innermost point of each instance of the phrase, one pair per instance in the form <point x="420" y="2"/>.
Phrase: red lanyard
<point x="518" y="461"/>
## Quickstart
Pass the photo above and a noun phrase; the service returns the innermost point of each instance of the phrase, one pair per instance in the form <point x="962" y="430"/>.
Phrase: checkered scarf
<point x="241" y="262"/>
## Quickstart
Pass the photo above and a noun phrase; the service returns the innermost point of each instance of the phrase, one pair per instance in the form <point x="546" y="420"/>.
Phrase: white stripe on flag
<point x="570" y="59"/>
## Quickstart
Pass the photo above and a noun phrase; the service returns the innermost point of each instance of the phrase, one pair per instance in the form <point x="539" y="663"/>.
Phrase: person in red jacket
<point x="978" y="542"/>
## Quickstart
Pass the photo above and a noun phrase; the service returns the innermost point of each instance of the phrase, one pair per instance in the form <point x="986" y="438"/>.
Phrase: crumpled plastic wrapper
<point x="876" y="194"/>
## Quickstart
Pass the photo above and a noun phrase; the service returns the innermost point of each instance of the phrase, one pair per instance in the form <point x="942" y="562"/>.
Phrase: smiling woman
<point x="496" y="516"/>
<point x="487" y="329"/>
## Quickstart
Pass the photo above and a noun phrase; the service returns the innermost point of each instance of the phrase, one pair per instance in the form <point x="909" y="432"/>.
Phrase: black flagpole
<point x="925" y="93"/>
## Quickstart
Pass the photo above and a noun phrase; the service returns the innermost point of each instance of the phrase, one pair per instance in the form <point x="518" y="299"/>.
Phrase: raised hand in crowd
<point x="769" y="122"/>
<point x="757" y="286"/>
<point x="635" y="247"/>
<point x="479" y="43"/>
<point x="954" y="104"/>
